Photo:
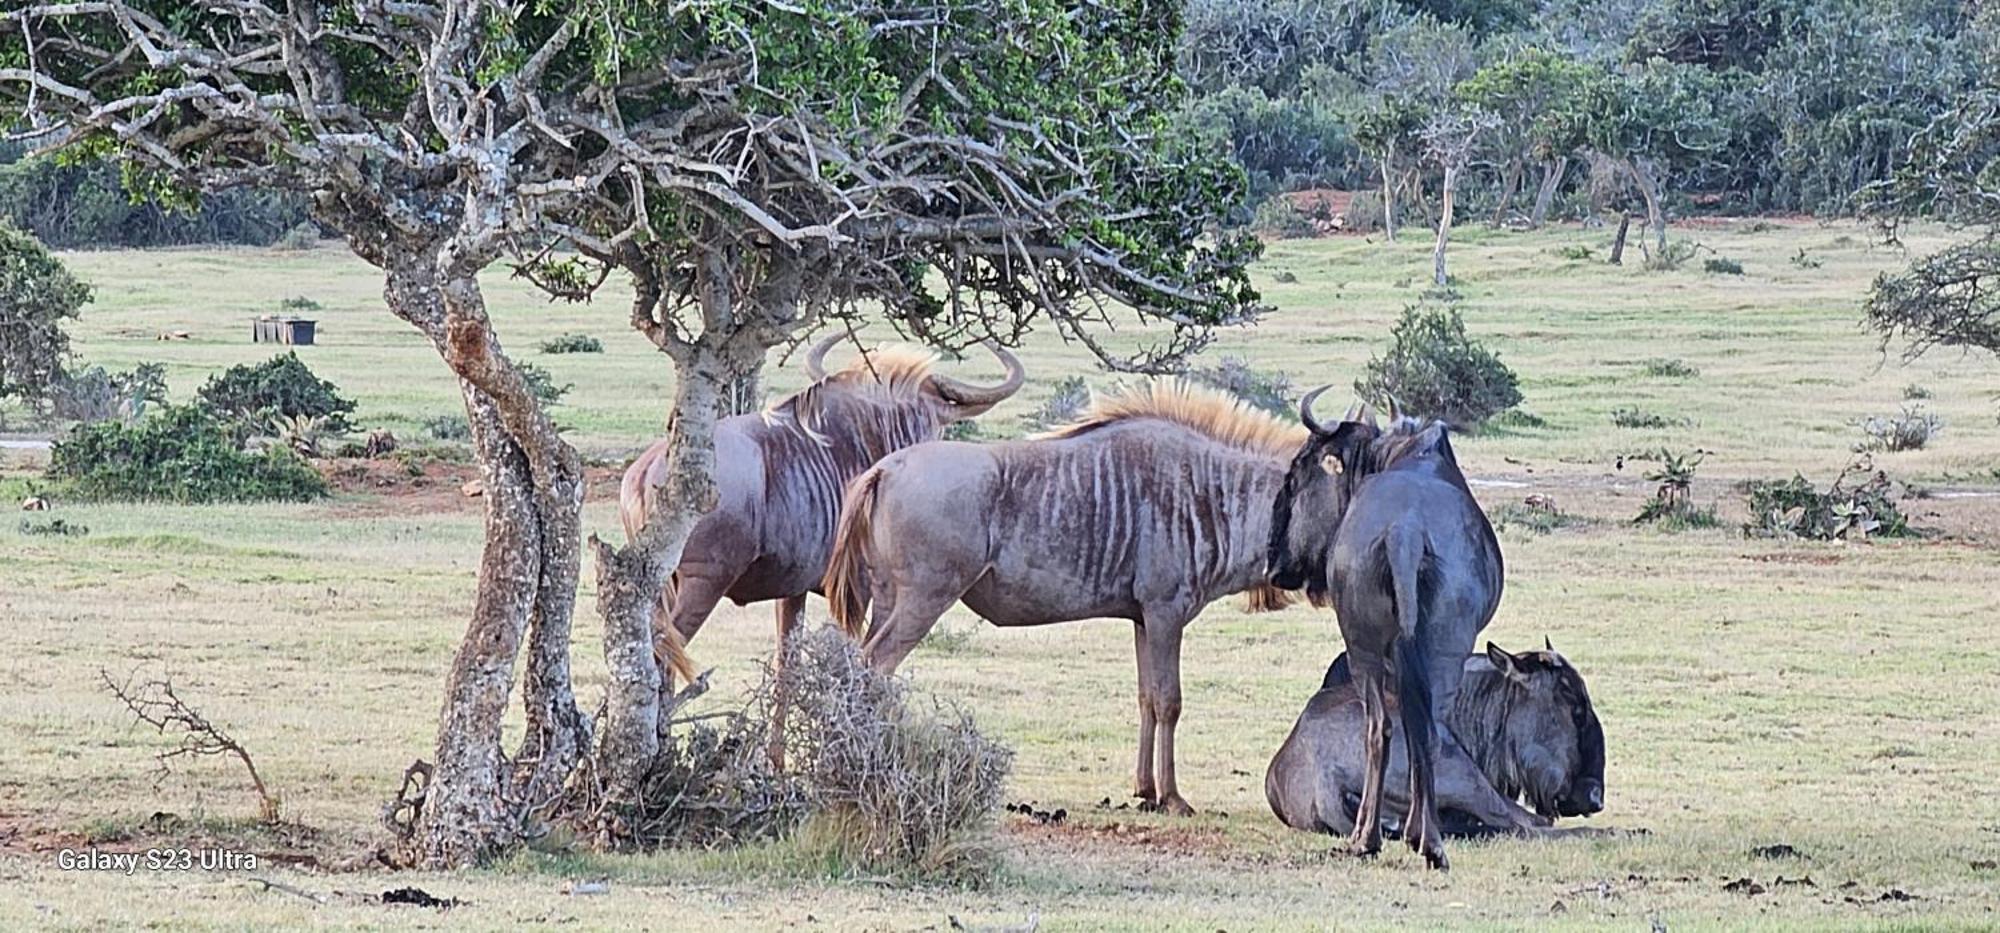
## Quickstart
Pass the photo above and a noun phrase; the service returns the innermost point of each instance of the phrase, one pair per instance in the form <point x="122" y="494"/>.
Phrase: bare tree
<point x="154" y="703"/>
<point x="968" y="169"/>
<point x="1450" y="139"/>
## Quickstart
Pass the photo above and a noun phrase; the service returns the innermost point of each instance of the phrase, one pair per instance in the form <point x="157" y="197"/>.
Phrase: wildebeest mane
<point x="886" y="376"/>
<point x="1209" y="412"/>
<point x="1408" y="438"/>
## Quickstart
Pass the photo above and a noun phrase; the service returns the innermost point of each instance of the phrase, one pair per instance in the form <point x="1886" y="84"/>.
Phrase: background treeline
<point x="72" y="205"/>
<point x="1733" y="106"/>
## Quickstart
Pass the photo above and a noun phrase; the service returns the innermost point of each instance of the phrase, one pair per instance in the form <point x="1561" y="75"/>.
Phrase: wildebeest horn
<point x="1395" y="410"/>
<point x="970" y="395"/>
<point x="1306" y="410"/>
<point x="1366" y="415"/>
<point x="816" y="357"/>
<point x="1546" y="646"/>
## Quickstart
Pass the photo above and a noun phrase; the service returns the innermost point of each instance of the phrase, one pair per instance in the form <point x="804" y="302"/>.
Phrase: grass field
<point x="1840" y="699"/>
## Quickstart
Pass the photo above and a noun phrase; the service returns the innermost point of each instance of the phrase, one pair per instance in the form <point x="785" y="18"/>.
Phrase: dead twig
<point x="155" y="704"/>
<point x="270" y="885"/>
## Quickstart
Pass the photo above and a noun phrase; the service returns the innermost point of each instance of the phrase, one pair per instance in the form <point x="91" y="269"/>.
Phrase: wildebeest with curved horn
<point x="1384" y="524"/>
<point x="1148" y="508"/>
<point x="1528" y="729"/>
<point x="779" y="475"/>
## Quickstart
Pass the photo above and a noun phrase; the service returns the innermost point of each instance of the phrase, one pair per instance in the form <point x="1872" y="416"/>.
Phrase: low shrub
<point x="1536" y="515"/>
<point x="1364" y="212"/>
<point x="873" y="786"/>
<point x="96" y="394"/>
<point x="1269" y="391"/>
<point x="1432" y="369"/>
<point x="542" y="385"/>
<point x="280" y="386"/>
<point x="181" y="453"/>
<point x="1640" y="418"/>
<point x="1859" y="505"/>
<point x="449" y="428"/>
<point x="963" y="431"/>
<point x="1577" y="252"/>
<point x="1672" y="507"/>
<point x="1675" y="255"/>
<point x="1804" y="261"/>
<point x="1670" y="369"/>
<point x="1277" y="219"/>
<point x="298" y="304"/>
<point x="1517" y="418"/>
<point x="1910" y="429"/>
<point x="304" y="236"/>
<point x="1722" y="266"/>
<point x="1063" y="405"/>
<point x="573" y="343"/>
<point x="1914" y="392"/>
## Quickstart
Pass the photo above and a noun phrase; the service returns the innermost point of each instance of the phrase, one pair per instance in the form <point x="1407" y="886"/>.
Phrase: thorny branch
<point x="155" y="703"/>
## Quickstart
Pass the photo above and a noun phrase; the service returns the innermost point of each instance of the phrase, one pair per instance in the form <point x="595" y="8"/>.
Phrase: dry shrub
<point x="874" y="785"/>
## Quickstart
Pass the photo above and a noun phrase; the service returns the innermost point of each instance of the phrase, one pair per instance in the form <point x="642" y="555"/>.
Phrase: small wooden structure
<point x="270" y="328"/>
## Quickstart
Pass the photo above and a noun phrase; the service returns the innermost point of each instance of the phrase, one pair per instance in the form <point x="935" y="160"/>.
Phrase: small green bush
<point x="1675" y="255"/>
<point x="962" y="431"/>
<point x="1910" y="429"/>
<point x="1278" y="219"/>
<point x="1848" y="509"/>
<point x="542" y="385"/>
<point x="1640" y="418"/>
<point x="299" y="303"/>
<point x="281" y="385"/>
<point x="304" y="236"/>
<point x="182" y="453"/>
<point x="1804" y="261"/>
<point x="1721" y="266"/>
<point x="1270" y="392"/>
<point x="1914" y="392"/>
<point x="1364" y="212"/>
<point x="1672" y="507"/>
<point x="1576" y="251"/>
<point x="1516" y="418"/>
<point x="449" y="428"/>
<point x="1432" y="369"/>
<point x="1061" y="407"/>
<point x="1537" y="516"/>
<point x="96" y="394"/>
<point x="1670" y="369"/>
<point x="573" y="343"/>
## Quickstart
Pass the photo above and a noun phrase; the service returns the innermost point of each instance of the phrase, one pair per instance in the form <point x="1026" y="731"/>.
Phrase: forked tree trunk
<point x="478" y="799"/>
<point x="1648" y="180"/>
<point x="1389" y="192"/>
<point x="1510" y="180"/>
<point x="1444" y="226"/>
<point x="1552" y="179"/>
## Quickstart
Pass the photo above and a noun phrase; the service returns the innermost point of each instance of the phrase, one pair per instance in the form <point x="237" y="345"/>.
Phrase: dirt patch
<point x="288" y="844"/>
<point x="377" y="488"/>
<point x="1121" y="834"/>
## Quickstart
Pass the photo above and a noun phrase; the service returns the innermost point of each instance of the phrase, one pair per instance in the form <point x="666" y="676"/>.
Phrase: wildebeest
<point x="1384" y="524"/>
<point x="779" y="475"/>
<point x="1148" y="508"/>
<point x="1528" y="730"/>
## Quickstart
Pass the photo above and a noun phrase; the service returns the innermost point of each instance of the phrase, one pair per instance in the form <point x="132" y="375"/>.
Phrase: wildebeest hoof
<point x="1435" y="857"/>
<point x="1175" y="806"/>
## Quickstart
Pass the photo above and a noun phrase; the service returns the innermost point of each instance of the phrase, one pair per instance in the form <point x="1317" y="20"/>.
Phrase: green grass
<point x="1841" y="699"/>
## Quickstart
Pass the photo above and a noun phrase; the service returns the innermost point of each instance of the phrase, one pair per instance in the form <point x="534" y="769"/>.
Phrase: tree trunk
<point x="1510" y="179"/>
<point x="1389" y="192"/>
<point x="1444" y="227"/>
<point x="1618" y="242"/>
<point x="1648" y="181"/>
<point x="478" y="800"/>
<point x="1552" y="179"/>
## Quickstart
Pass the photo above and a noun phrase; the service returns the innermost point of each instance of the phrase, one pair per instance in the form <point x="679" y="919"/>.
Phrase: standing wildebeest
<point x="778" y="477"/>
<point x="1148" y="508"/>
<point x="1385" y="524"/>
<point x="1525" y="719"/>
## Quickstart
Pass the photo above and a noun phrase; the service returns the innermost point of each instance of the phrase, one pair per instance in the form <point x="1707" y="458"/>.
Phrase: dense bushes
<point x="179" y="454"/>
<point x="36" y="295"/>
<point x="1432" y="369"/>
<point x="1860" y="504"/>
<point x="281" y="386"/>
<point x="75" y="206"/>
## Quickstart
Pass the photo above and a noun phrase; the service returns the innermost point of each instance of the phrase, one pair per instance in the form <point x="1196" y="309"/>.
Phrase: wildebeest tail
<point x="1413" y="690"/>
<point x="846" y="583"/>
<point x="634" y="501"/>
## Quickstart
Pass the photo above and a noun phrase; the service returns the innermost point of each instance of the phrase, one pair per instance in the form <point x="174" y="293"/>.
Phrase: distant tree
<point x="1387" y="127"/>
<point x="1655" y="120"/>
<point x="1950" y="298"/>
<point x="37" y="294"/>
<point x="1450" y="139"/>
<point x="1540" y="98"/>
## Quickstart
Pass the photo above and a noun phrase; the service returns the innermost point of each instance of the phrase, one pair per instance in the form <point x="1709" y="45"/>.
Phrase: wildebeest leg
<point x="1463" y="789"/>
<point x="1163" y="640"/>
<point x="1370" y="681"/>
<point x="1142" y="774"/>
<point x="692" y="605"/>
<point x="789" y="610"/>
<point x="891" y="638"/>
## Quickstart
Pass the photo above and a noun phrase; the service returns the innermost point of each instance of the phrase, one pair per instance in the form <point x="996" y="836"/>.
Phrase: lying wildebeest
<point x="1525" y="720"/>
<point x="1148" y="508"/>
<point x="779" y="475"/>
<point x="1384" y="524"/>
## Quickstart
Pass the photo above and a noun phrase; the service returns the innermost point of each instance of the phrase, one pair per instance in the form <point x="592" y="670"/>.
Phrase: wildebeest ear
<point x="1505" y="663"/>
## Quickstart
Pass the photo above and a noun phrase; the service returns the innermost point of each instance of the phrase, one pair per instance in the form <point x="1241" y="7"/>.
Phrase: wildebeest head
<point x="1553" y="743"/>
<point x="1314" y="497"/>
